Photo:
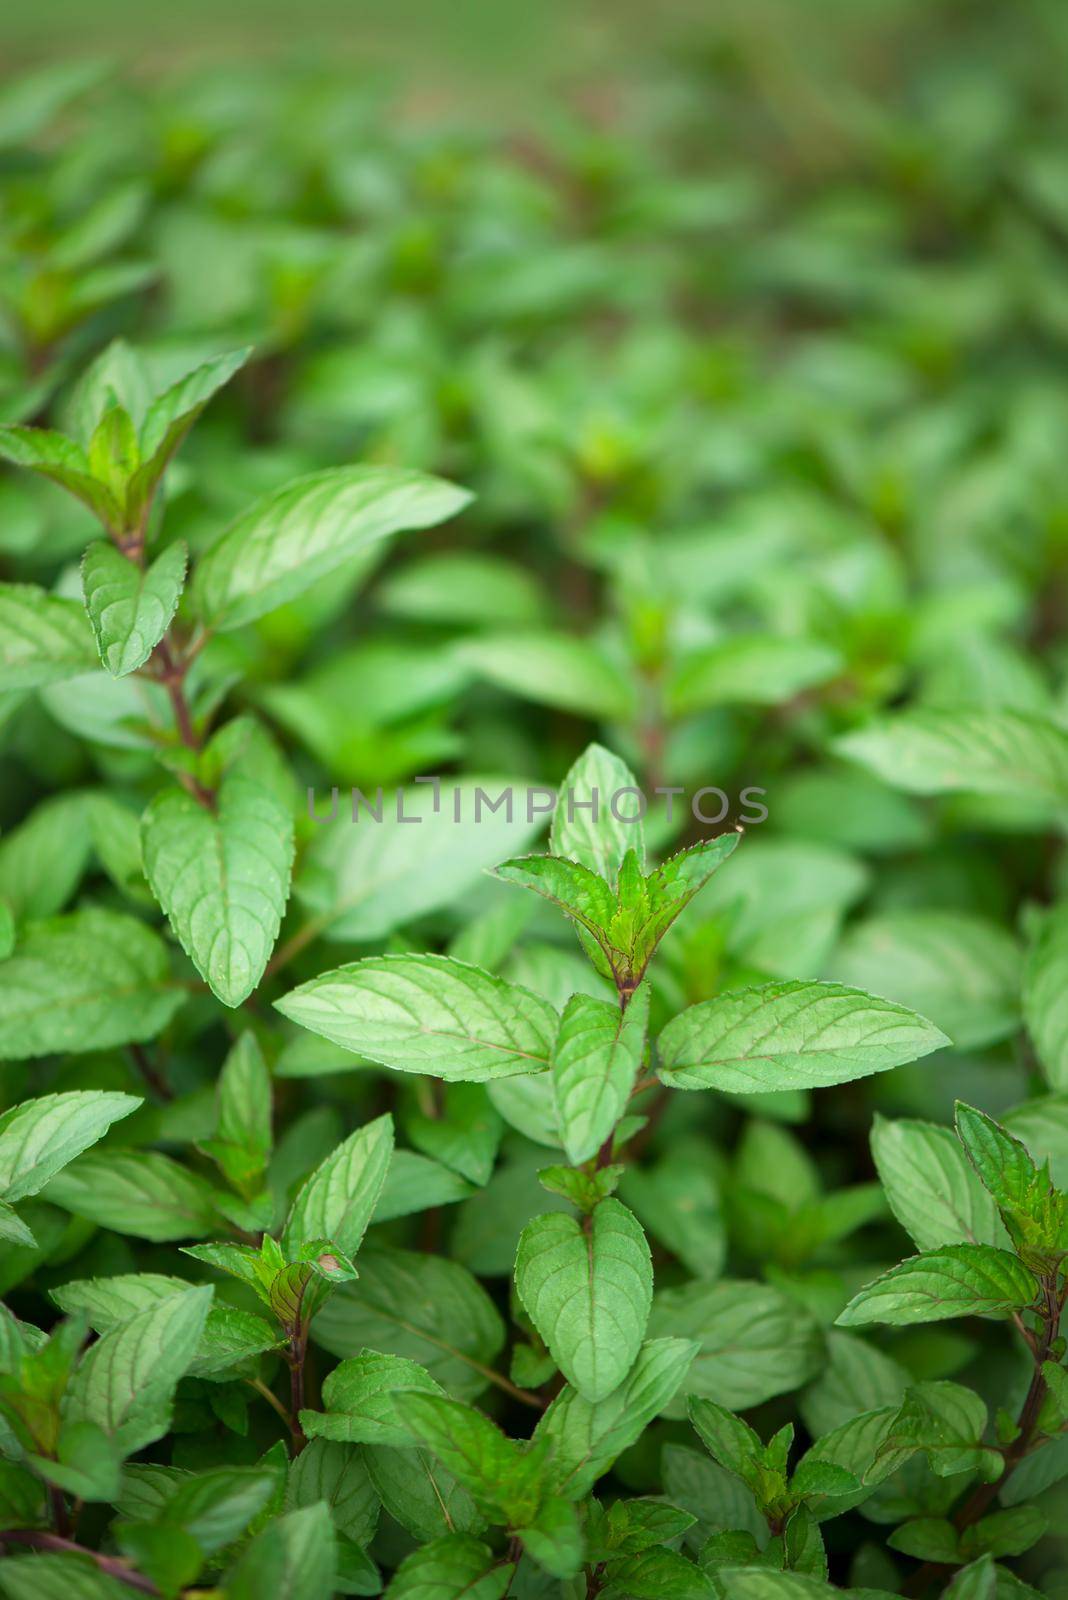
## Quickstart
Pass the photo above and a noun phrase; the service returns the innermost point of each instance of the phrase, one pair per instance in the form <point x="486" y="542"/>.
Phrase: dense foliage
<point x="659" y="1210"/>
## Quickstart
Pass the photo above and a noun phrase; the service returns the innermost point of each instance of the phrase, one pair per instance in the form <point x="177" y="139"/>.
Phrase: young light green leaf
<point x="428" y="1014"/>
<point x="169" y="418"/>
<point x="125" y="1381"/>
<point x="932" y="1189"/>
<point x="585" y="825"/>
<point x="130" y="607"/>
<point x="41" y="1136"/>
<point x="595" y="1061"/>
<point x="42" y="638"/>
<point x="338" y="1200"/>
<point x="298" y="534"/>
<point x="222" y="877"/>
<point x="587" y="1289"/>
<point x="955" y="1281"/>
<point x="88" y="981"/>
<point x="64" y="462"/>
<point x="790" y="1035"/>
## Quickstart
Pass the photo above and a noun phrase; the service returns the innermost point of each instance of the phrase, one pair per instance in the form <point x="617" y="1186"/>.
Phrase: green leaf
<point x="963" y="972"/>
<point x="337" y="1475"/>
<point x="222" y="877"/>
<point x="362" y="879"/>
<point x="130" y="608"/>
<point x="751" y="669"/>
<point x="456" y="1567"/>
<point x="427" y="1014"/>
<point x="1001" y="1161"/>
<point x="228" y="1336"/>
<point x="753" y="1342"/>
<point x="504" y="1480"/>
<point x="856" y="1377"/>
<point x="169" y="418"/>
<point x="955" y="1281"/>
<point x="554" y="1538"/>
<point x="48" y="1577"/>
<point x="64" y="462"/>
<point x="419" y="1494"/>
<point x="790" y="1035"/>
<point x="946" y="1422"/>
<point x="88" y="981"/>
<point x="657" y="1575"/>
<point x="42" y="861"/>
<point x="1045" y="996"/>
<point x="41" y="1136"/>
<point x="585" y="1436"/>
<point x="940" y="751"/>
<point x="298" y="534"/>
<point x="554" y="669"/>
<point x="42" y="638"/>
<point x="595" y="1062"/>
<point x="242" y="1139"/>
<point x="585" y="827"/>
<point x="465" y="1134"/>
<point x="338" y="1200"/>
<point x="358" y="1399"/>
<point x="587" y="1288"/>
<point x="125" y="1381"/>
<point x="427" y="1309"/>
<point x="216" y="1506"/>
<point x="139" y="1192"/>
<point x="932" y="1189"/>
<point x="292" y="1558"/>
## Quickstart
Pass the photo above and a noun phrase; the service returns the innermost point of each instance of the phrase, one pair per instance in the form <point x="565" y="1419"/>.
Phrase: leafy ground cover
<point x="404" y="1190"/>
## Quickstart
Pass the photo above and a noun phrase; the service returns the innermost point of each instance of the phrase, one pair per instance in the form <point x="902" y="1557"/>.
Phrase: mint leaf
<point x="130" y="608"/>
<point x="595" y="1061"/>
<point x="222" y="877"/>
<point x="790" y="1036"/>
<point x="955" y="1281"/>
<point x="587" y="1288"/>
<point x="302" y="532"/>
<point x="88" y="981"/>
<point x="423" y="1013"/>
<point x="43" y="639"/>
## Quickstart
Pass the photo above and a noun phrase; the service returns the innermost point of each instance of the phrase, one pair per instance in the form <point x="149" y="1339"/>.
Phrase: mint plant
<point x="533" y="1059"/>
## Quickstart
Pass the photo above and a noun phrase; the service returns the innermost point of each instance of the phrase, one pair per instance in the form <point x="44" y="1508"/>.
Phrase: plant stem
<point x="151" y="1073"/>
<point x="114" y="1566"/>
<point x="984" y="1494"/>
<point x="271" y="1399"/>
<point x="298" y="1350"/>
<point x="60" y="1515"/>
